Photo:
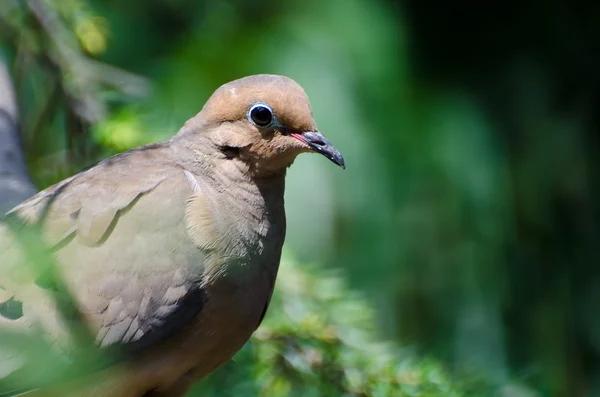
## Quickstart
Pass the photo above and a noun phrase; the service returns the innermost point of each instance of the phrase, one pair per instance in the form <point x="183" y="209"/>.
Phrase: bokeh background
<point x="457" y="253"/>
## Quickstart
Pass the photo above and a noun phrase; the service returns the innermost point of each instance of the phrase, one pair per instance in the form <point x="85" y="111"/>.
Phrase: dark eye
<point x="261" y="115"/>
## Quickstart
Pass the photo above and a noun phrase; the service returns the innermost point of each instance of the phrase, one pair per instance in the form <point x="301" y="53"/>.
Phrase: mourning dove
<point x="169" y="251"/>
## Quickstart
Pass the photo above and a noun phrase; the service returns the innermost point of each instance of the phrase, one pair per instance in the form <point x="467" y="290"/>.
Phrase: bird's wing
<point x="118" y="237"/>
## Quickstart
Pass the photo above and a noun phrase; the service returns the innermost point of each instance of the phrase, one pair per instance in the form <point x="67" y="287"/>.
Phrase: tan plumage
<point x="170" y="251"/>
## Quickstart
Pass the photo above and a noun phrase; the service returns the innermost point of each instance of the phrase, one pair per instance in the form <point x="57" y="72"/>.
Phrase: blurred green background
<point x="461" y="241"/>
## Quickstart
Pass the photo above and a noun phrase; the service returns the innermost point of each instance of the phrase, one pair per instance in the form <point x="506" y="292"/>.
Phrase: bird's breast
<point x="249" y="249"/>
<point x="242" y="228"/>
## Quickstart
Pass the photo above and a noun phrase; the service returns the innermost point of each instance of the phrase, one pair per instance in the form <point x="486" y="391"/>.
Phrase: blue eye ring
<point x="261" y="115"/>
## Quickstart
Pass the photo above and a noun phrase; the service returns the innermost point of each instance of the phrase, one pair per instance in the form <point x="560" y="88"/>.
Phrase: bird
<point x="167" y="253"/>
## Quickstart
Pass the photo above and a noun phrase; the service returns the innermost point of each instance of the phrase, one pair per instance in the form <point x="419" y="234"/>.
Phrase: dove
<point x="168" y="252"/>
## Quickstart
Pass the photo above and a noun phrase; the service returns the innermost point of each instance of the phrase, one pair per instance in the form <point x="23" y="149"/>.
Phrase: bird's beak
<point x="317" y="142"/>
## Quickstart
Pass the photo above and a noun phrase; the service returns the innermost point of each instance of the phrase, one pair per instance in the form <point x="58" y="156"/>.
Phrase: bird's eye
<point x="261" y="115"/>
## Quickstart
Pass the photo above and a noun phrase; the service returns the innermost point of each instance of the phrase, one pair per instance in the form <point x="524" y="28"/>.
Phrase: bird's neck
<point x="206" y="149"/>
<point x="232" y="182"/>
<point x="202" y="157"/>
<point x="249" y="210"/>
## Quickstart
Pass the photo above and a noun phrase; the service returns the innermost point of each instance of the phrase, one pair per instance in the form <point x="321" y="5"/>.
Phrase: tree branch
<point x="15" y="185"/>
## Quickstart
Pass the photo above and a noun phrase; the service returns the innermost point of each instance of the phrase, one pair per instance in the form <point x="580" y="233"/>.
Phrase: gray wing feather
<point x="118" y="233"/>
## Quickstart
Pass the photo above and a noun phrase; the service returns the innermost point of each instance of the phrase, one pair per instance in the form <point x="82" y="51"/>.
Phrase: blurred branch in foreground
<point x="30" y="358"/>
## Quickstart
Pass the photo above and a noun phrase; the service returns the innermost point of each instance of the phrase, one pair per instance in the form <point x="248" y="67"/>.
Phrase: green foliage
<point x="320" y="338"/>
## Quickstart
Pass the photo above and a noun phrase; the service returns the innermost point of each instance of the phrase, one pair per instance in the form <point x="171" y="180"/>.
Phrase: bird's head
<point x="263" y="121"/>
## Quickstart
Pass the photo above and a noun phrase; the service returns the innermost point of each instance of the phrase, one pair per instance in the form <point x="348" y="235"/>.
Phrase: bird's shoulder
<point x="87" y="204"/>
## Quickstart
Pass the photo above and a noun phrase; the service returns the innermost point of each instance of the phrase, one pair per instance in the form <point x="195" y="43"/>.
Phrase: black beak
<point x="320" y="144"/>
